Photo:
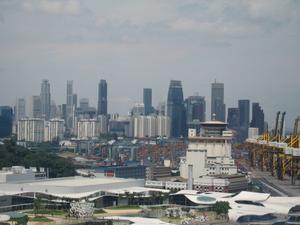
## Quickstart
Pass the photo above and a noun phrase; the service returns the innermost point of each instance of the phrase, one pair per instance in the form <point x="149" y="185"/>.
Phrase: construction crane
<point x="296" y="126"/>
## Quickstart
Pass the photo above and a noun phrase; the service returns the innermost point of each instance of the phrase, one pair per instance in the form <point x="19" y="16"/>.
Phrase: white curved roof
<point x="252" y="196"/>
<point x="4" y="218"/>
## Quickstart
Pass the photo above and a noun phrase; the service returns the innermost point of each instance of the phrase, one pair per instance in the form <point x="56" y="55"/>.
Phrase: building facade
<point x="20" y="109"/>
<point x="258" y="117"/>
<point x="6" y="121"/>
<point x="31" y="130"/>
<point x="217" y="101"/>
<point x="45" y="99"/>
<point x="102" y="98"/>
<point x="209" y="152"/>
<point x="244" y="107"/>
<point x="176" y="110"/>
<point x="147" y="100"/>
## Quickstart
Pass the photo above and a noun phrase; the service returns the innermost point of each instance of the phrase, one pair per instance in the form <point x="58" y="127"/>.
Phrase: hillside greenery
<point x="14" y="155"/>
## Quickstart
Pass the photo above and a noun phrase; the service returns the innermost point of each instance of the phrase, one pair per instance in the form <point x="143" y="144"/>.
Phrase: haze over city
<point x="250" y="46"/>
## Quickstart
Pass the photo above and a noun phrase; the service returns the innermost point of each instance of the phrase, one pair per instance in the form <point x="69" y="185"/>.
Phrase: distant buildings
<point x="102" y="98"/>
<point x="70" y="105"/>
<point x="176" y="110"/>
<point x="20" y="110"/>
<point x="6" y="121"/>
<point x="31" y="130"/>
<point x="138" y="109"/>
<point x="195" y="111"/>
<point x="56" y="129"/>
<point x="258" y="117"/>
<point x="84" y="104"/>
<point x="36" y="107"/>
<point x="151" y="126"/>
<point x="45" y="99"/>
<point x="147" y="100"/>
<point x="217" y="101"/>
<point x="233" y="118"/>
<point x="244" y="108"/>
<point x="91" y="128"/>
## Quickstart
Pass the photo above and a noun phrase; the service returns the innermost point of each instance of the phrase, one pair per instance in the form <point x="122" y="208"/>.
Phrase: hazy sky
<point x="251" y="46"/>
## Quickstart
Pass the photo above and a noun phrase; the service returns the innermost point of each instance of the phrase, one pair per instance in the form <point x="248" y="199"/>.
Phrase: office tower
<point x="31" y="130"/>
<point x="244" y="107"/>
<point x="75" y="101"/>
<point x="69" y="105"/>
<point x="102" y="98"/>
<point x="233" y="118"/>
<point x="176" y="110"/>
<point x="217" y="101"/>
<point x="6" y="121"/>
<point x="64" y="111"/>
<point x="147" y="100"/>
<point x="138" y="109"/>
<point x="258" y="117"/>
<point x="195" y="109"/>
<point x="45" y="99"/>
<point x="84" y="104"/>
<point x="36" y="107"/>
<point x="103" y="120"/>
<point x="53" y="110"/>
<point x="20" y="109"/>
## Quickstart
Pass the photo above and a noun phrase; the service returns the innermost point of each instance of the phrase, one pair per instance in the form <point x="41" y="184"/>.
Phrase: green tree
<point x="221" y="207"/>
<point x="37" y="205"/>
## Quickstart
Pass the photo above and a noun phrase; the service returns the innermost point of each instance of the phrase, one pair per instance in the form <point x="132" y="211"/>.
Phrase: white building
<point x="31" y="129"/>
<point x="103" y="124"/>
<point x="163" y="126"/>
<point x="88" y="128"/>
<point x="56" y="129"/>
<point x="209" y="152"/>
<point x="253" y="133"/>
<point x="151" y="126"/>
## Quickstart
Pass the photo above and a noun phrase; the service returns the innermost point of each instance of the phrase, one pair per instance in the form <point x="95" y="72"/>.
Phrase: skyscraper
<point x="244" y="108"/>
<point x="36" y="107"/>
<point x="195" y="108"/>
<point x="217" y="101"/>
<point x="102" y="98"/>
<point x="45" y="99"/>
<point x="84" y="104"/>
<point x="20" y="109"/>
<point x="233" y="118"/>
<point x="176" y="110"/>
<point x="69" y="105"/>
<point x="147" y="100"/>
<point x="6" y="120"/>
<point x="258" y="117"/>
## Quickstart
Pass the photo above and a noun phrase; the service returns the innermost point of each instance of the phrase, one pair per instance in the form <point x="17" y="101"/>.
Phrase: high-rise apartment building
<point x="20" y="109"/>
<point x="244" y="107"/>
<point x="45" y="99"/>
<point x="258" y="117"/>
<point x="176" y="110"/>
<point x="147" y="100"/>
<point x="6" y="121"/>
<point x="56" y="129"/>
<point x="217" y="101"/>
<point x="138" y="109"/>
<point x="31" y="130"/>
<point x="102" y="98"/>
<point x="88" y="128"/>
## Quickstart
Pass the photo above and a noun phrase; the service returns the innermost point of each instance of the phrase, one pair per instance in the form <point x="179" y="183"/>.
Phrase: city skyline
<point x="147" y="44"/>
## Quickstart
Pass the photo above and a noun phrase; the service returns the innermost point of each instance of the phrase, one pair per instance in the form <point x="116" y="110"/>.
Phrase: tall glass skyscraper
<point x="147" y="100"/>
<point x="258" y="117"/>
<point x="244" y="108"/>
<point x="45" y="99"/>
<point x="70" y="104"/>
<point x="6" y="119"/>
<point x="102" y="98"/>
<point x="217" y="101"/>
<point x="195" y="108"/>
<point x="176" y="110"/>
